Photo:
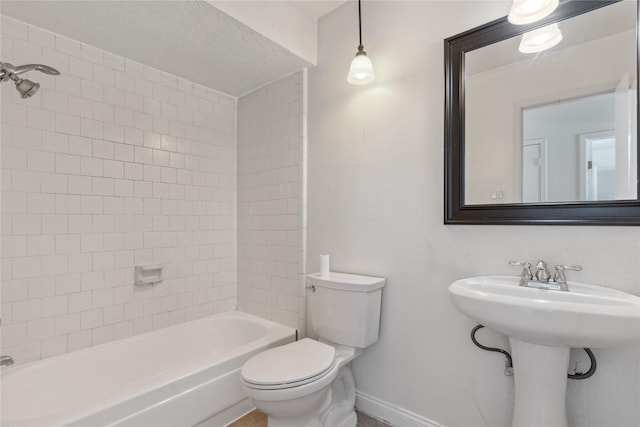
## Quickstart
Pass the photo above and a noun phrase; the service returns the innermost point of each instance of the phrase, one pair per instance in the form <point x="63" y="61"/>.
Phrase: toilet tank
<point x="345" y="308"/>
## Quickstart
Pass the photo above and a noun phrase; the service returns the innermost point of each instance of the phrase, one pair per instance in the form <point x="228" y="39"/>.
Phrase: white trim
<point x="585" y="155"/>
<point x="390" y="413"/>
<point x="542" y="142"/>
<point x="229" y="415"/>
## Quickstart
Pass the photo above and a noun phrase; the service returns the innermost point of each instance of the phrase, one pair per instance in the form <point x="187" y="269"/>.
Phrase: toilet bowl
<point x="309" y="383"/>
<point x="303" y="384"/>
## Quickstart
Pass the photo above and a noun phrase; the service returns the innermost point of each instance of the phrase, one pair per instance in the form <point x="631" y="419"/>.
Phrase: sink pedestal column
<point x="540" y="375"/>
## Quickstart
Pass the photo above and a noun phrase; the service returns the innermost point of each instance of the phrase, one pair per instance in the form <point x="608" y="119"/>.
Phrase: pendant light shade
<point x="361" y="70"/>
<point x="541" y="39"/>
<point x="527" y="11"/>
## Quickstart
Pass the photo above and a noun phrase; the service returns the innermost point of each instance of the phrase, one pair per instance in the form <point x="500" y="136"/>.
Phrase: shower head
<point x="25" y="87"/>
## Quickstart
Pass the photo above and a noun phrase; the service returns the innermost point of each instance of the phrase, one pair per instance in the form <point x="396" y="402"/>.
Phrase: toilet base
<point x="333" y="406"/>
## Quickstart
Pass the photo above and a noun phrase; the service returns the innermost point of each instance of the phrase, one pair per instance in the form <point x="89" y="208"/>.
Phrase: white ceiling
<point x="318" y="8"/>
<point x="613" y="19"/>
<point x="191" y="39"/>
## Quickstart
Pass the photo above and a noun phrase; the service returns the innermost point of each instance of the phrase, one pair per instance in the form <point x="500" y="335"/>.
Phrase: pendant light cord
<point x="360" y="47"/>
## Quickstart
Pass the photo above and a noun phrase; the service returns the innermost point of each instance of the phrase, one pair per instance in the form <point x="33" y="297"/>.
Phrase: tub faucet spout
<point x="6" y="360"/>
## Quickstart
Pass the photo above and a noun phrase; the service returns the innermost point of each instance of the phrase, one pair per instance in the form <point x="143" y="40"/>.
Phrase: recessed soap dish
<point x="148" y="274"/>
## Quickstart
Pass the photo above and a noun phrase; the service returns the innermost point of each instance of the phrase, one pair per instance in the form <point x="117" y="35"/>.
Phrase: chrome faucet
<point x="542" y="272"/>
<point x="559" y="276"/>
<point x="542" y="279"/>
<point x="6" y="361"/>
<point x="526" y="274"/>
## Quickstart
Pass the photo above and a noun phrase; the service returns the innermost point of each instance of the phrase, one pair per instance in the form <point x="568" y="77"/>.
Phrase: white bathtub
<point x="177" y="376"/>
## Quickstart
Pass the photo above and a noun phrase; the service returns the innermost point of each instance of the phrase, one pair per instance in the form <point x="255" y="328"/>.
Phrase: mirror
<point x="541" y="120"/>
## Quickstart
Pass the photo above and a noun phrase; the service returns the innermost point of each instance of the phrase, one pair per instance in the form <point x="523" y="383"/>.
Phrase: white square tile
<point x="40" y="161"/>
<point x="67" y="324"/>
<point x="102" y="186"/>
<point x="103" y="297"/>
<point x="80" y="302"/>
<point x="79" y="340"/>
<point x="133" y="136"/>
<point x="14" y="202"/>
<point x="113" y="61"/>
<point x="113" y="132"/>
<point x="14" y="334"/>
<point x="81" y="223"/>
<point x="80" y="68"/>
<point x="67" y="124"/>
<point x="91" y="128"/>
<point x="91" y="319"/>
<point x="54" y="101"/>
<point x="67" y="243"/>
<point x="55" y="306"/>
<point x="40" y="245"/>
<point x="27" y="223"/>
<point x="91" y="204"/>
<point x="92" y="90"/>
<point x="103" y="112"/>
<point x="81" y="107"/>
<point x="79" y="185"/>
<point x="68" y="46"/>
<point x="80" y="146"/>
<point x="91" y="166"/>
<point x="114" y="96"/>
<point x="114" y="314"/>
<point x="54" y="264"/>
<point x="54" y="183"/>
<point x="25" y="51"/>
<point x="53" y="224"/>
<point x="91" y="242"/>
<point x="67" y="164"/>
<point x="103" y="75"/>
<point x="40" y="329"/>
<point x="92" y="54"/>
<point x="107" y="140"/>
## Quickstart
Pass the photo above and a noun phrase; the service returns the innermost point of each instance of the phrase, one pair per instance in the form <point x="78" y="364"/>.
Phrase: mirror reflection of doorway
<point x="534" y="170"/>
<point x="561" y="125"/>
<point x="598" y="166"/>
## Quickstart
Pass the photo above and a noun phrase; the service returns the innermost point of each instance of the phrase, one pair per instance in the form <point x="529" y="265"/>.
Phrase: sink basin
<point x="585" y="316"/>
<point x="542" y="326"/>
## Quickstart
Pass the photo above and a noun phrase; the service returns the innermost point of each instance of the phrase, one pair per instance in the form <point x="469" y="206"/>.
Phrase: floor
<point x="259" y="419"/>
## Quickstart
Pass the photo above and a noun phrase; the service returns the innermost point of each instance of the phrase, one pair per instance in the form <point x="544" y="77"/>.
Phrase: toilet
<point x="308" y="383"/>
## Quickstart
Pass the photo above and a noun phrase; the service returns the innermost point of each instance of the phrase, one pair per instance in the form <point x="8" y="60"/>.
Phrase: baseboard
<point x="390" y="413"/>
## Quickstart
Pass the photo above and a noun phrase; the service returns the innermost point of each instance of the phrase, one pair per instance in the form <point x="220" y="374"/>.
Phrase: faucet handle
<point x="569" y="267"/>
<point x="559" y="276"/>
<point x="526" y="269"/>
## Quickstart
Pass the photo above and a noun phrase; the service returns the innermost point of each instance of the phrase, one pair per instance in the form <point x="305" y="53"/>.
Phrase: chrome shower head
<point x="26" y="87"/>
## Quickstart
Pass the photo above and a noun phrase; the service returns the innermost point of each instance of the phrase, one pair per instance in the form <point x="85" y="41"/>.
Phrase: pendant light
<point x="361" y="70"/>
<point x="541" y="39"/>
<point x="527" y="11"/>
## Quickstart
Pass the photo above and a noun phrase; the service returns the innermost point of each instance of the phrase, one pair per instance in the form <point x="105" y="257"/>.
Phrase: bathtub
<point x="184" y="375"/>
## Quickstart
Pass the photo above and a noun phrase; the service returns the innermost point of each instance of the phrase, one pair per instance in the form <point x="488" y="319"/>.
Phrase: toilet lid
<point x="291" y="363"/>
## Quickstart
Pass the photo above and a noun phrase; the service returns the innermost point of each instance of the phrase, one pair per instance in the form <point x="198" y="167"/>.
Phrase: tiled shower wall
<point x="271" y="152"/>
<point x="110" y="165"/>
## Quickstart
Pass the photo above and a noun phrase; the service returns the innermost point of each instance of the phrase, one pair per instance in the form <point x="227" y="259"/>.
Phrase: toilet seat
<point x="289" y="366"/>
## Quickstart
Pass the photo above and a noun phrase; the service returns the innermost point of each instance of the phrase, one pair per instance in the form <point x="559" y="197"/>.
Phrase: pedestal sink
<point x="543" y="325"/>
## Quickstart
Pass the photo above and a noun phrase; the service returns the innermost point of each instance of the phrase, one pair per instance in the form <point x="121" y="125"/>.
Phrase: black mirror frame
<point x="620" y="212"/>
